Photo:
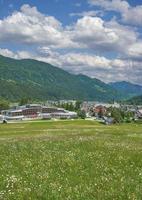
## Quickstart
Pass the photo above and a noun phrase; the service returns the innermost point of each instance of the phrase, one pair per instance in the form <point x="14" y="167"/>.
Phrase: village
<point x="71" y="109"/>
<point x="112" y="113"/>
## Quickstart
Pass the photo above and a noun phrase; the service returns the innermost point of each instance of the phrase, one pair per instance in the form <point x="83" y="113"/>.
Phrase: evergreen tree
<point x="24" y="101"/>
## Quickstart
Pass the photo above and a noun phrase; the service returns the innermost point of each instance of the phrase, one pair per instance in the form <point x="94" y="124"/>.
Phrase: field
<point x="70" y="160"/>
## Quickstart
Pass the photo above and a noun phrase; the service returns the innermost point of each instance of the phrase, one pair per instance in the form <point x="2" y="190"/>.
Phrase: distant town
<point x="71" y="109"/>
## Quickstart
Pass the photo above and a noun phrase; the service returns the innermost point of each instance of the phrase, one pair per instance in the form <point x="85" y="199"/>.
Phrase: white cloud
<point x="126" y="36"/>
<point x="129" y="14"/>
<point x="116" y="5"/>
<point x="7" y="53"/>
<point x="29" y="26"/>
<point x="135" y="51"/>
<point x="59" y="45"/>
<point x="133" y="16"/>
<point x="91" y="13"/>
<point x="94" y="33"/>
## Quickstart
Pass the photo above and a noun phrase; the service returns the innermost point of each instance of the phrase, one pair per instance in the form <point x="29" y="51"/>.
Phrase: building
<point x="139" y="114"/>
<point x="100" y="111"/>
<point x="64" y="115"/>
<point x="37" y="111"/>
<point x="45" y="109"/>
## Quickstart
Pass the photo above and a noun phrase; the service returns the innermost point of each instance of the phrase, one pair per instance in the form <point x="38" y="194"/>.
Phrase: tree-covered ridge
<point x="39" y="80"/>
<point x="126" y="88"/>
<point x="135" y="100"/>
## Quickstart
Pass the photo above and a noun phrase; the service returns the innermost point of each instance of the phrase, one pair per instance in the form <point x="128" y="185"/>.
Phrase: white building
<point x="36" y="111"/>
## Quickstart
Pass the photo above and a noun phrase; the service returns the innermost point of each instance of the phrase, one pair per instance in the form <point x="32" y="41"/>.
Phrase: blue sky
<point x="98" y="38"/>
<point x="58" y="8"/>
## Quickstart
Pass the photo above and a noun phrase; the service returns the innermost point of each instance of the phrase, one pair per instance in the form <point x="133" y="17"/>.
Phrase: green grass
<point x="70" y="160"/>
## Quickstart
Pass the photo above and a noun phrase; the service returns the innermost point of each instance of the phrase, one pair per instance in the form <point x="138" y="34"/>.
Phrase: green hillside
<point x="39" y="80"/>
<point x="127" y="88"/>
<point x="135" y="100"/>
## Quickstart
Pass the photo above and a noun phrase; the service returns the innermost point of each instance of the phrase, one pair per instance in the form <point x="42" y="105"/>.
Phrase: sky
<point x="98" y="38"/>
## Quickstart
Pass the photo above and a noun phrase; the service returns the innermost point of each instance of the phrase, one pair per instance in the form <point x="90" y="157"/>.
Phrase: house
<point x="100" y="111"/>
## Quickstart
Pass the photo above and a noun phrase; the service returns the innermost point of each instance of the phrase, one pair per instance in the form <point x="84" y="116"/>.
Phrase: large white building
<point x="36" y="111"/>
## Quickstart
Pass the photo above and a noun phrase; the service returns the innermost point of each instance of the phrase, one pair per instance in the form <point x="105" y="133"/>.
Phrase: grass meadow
<point x="70" y="160"/>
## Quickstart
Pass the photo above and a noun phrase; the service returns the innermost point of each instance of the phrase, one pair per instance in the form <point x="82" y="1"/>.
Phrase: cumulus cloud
<point x="59" y="45"/>
<point x="94" y="33"/>
<point x="129" y="14"/>
<point x="29" y="26"/>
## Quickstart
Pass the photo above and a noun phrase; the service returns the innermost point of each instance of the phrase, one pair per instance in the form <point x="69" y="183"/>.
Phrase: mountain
<point x="135" y="100"/>
<point x="42" y="81"/>
<point x="127" y="89"/>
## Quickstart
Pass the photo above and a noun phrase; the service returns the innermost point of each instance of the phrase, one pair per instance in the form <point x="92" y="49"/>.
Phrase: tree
<point x="71" y="107"/>
<point x="116" y="113"/>
<point x="24" y="101"/>
<point x="78" y="105"/>
<point x="4" y="105"/>
<point x="129" y="116"/>
<point x="82" y="114"/>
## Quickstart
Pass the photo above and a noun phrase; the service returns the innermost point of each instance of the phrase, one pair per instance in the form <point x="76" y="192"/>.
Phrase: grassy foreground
<point x="70" y="160"/>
